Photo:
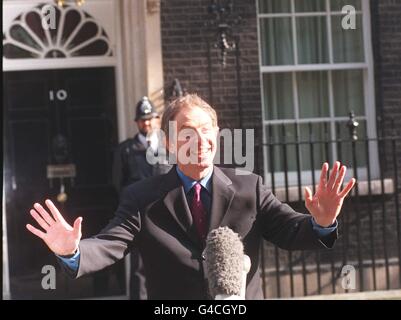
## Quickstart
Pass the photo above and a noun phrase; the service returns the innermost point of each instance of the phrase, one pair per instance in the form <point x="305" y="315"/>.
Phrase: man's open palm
<point x="59" y="236"/>
<point x="326" y="204"/>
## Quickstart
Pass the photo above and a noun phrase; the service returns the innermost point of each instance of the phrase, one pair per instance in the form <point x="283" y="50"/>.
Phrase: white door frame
<point x="112" y="25"/>
<point x="76" y="62"/>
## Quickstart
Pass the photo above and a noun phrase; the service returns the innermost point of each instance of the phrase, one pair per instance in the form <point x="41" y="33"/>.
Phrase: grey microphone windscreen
<point x="224" y="259"/>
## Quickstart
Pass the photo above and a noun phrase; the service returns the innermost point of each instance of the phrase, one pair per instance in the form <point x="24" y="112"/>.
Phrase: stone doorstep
<point x="369" y="295"/>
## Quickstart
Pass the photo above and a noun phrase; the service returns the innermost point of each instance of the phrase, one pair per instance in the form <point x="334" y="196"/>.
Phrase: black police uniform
<point x="130" y="163"/>
<point x="129" y="166"/>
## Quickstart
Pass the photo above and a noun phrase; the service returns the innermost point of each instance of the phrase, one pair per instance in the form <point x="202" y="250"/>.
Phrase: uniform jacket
<point x="130" y="165"/>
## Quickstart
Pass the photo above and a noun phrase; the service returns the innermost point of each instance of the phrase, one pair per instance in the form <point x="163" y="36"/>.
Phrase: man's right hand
<point x="59" y="236"/>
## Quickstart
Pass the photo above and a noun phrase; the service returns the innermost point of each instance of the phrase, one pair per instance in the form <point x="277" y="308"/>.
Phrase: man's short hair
<point x="189" y="100"/>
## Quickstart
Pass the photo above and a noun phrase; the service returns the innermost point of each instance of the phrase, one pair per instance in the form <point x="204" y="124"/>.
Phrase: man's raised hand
<point x="326" y="204"/>
<point x="59" y="236"/>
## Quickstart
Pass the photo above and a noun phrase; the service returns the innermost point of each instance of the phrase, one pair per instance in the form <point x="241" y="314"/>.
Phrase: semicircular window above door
<point x="49" y="31"/>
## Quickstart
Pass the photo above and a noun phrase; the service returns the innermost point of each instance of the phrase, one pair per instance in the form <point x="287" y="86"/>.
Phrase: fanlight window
<point x="76" y="34"/>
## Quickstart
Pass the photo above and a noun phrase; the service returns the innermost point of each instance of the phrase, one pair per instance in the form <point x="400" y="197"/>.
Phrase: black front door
<point x="60" y="130"/>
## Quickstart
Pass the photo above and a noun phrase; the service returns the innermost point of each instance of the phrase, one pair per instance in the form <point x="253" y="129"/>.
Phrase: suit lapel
<point x="177" y="204"/>
<point x="222" y="196"/>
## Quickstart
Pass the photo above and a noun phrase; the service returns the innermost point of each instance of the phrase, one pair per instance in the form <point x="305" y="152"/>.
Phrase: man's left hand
<point x="326" y="204"/>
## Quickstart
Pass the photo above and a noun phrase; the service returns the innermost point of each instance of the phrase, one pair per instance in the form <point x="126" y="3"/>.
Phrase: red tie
<point x="199" y="213"/>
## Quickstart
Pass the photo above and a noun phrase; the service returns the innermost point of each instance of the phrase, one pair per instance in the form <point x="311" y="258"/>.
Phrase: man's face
<point x="196" y="142"/>
<point x="145" y="126"/>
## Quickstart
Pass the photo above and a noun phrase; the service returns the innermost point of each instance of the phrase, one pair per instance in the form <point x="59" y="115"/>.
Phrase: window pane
<point x="312" y="40"/>
<point x="19" y="34"/>
<point x="347" y="44"/>
<point x="278" y="96"/>
<point x="11" y="51"/>
<point x="310" y="5"/>
<point x="337" y="5"/>
<point x="72" y="19"/>
<point x="34" y="22"/>
<point x="313" y="94"/>
<point x="87" y="31"/>
<point x="284" y="151"/>
<point x="348" y="92"/>
<point x="315" y="153"/>
<point x="274" y="6"/>
<point x="96" y="48"/>
<point x="276" y="37"/>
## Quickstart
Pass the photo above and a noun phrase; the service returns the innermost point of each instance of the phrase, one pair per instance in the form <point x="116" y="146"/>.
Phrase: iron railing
<point x="369" y="244"/>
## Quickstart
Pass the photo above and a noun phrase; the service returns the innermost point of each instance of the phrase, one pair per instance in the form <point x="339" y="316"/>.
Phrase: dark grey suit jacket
<point x="155" y="215"/>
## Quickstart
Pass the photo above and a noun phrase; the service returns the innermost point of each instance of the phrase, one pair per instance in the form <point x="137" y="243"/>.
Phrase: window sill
<point x="375" y="186"/>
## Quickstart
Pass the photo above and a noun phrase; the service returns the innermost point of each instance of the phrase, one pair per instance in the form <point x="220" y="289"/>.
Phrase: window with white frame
<point x="313" y="73"/>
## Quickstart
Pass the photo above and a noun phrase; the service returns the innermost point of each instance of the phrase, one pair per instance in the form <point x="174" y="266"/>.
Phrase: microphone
<point x="226" y="265"/>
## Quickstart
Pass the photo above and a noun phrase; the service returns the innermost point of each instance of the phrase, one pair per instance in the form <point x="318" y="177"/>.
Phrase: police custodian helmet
<point x="145" y="109"/>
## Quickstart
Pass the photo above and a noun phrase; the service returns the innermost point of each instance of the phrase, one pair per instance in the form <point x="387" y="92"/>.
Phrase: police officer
<point x="130" y="165"/>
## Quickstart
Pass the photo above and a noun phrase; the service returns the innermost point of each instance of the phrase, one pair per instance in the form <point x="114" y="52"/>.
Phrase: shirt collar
<point x="142" y="139"/>
<point x="188" y="182"/>
<point x="152" y="139"/>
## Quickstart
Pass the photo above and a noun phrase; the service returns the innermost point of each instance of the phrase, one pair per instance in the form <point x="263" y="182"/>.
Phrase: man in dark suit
<point x="129" y="166"/>
<point x="168" y="216"/>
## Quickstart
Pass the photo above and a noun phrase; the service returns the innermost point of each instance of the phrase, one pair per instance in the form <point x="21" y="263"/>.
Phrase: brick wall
<point x="386" y="27"/>
<point x="386" y="34"/>
<point x="185" y="56"/>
